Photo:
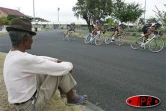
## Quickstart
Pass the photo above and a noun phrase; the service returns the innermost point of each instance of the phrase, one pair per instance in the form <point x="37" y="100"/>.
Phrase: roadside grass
<point x="56" y="103"/>
<point x="76" y="34"/>
<point x="3" y="33"/>
<point x="2" y="58"/>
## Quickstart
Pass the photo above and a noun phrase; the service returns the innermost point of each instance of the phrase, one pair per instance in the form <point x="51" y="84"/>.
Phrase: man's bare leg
<point x="74" y="98"/>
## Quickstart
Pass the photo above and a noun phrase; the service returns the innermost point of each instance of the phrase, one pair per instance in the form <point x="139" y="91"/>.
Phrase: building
<point x="4" y="12"/>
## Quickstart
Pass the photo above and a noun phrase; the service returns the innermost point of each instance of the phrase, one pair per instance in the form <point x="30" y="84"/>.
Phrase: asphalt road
<point x="108" y="74"/>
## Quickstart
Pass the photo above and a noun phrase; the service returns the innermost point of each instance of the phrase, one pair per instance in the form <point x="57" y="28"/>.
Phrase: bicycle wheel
<point x="136" y="44"/>
<point x="121" y="39"/>
<point x="65" y="34"/>
<point x="108" y="39"/>
<point x="87" y="39"/>
<point x="156" y="45"/>
<point x="99" y="39"/>
<point x="64" y="37"/>
<point x="70" y="36"/>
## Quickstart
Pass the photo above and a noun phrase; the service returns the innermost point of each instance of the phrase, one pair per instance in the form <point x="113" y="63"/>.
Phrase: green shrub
<point x="47" y="29"/>
<point x="134" y="34"/>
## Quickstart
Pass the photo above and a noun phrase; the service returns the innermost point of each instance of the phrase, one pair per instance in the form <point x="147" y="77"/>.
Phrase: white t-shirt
<point x="20" y="69"/>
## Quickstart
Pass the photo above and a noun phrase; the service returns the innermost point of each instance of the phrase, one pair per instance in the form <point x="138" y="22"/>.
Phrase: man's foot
<point x="142" y="44"/>
<point x="77" y="100"/>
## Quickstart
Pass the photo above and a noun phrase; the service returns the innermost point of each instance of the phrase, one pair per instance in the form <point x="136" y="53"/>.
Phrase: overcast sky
<point x="47" y="9"/>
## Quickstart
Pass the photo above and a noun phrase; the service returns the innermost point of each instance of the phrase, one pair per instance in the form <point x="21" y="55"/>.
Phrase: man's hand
<point x="59" y="61"/>
<point x="71" y="69"/>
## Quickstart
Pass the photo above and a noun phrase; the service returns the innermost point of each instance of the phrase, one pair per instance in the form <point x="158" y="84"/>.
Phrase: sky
<point x="48" y="9"/>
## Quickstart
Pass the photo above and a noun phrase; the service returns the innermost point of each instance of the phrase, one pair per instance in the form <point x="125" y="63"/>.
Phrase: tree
<point x="111" y="22"/>
<point x="127" y="12"/>
<point x="141" y="21"/>
<point x="90" y="10"/>
<point x="4" y="20"/>
<point x="161" y="15"/>
<point x="10" y="16"/>
<point x="152" y="19"/>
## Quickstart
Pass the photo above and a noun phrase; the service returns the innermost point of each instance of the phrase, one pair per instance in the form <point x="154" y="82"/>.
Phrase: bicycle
<point x="119" y="40"/>
<point x="68" y="36"/>
<point x="97" y="39"/>
<point x="156" y="44"/>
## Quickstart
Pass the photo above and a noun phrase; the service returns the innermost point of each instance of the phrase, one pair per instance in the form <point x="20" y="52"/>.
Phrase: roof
<point x="11" y="11"/>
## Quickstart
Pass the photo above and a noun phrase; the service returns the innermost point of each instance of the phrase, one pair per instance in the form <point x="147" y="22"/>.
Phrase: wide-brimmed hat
<point x="20" y="24"/>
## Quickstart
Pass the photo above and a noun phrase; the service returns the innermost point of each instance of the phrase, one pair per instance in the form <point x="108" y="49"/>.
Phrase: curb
<point x="90" y="107"/>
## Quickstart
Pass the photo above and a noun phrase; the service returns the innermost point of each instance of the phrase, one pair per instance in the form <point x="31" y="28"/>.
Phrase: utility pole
<point x="34" y="10"/>
<point x="144" y="12"/>
<point x="58" y="17"/>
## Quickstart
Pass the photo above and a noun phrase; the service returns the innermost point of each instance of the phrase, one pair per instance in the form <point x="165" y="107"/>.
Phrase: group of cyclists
<point x="99" y="26"/>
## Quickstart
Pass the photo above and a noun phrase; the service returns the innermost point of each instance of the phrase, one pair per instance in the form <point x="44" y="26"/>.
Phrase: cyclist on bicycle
<point x="71" y="27"/>
<point x="118" y="30"/>
<point x="153" y="28"/>
<point x="99" y="26"/>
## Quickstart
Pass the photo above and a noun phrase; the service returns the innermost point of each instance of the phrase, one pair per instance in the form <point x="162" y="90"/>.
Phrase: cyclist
<point x="71" y="27"/>
<point x="99" y="26"/>
<point x="153" y="28"/>
<point x="118" y="30"/>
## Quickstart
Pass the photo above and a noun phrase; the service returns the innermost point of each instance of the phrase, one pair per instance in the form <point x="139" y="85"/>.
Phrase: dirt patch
<point x="56" y="103"/>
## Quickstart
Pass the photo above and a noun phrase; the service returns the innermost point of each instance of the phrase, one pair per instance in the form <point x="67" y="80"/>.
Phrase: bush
<point x="134" y="34"/>
<point x="163" y="30"/>
<point x="134" y="29"/>
<point x="4" y="20"/>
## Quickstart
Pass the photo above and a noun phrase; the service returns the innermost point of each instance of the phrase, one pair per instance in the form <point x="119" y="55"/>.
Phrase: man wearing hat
<point x="31" y="80"/>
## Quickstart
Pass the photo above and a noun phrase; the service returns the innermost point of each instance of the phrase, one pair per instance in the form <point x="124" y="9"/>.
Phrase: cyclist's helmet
<point x="101" y="19"/>
<point x="123" y="23"/>
<point x="159" y="23"/>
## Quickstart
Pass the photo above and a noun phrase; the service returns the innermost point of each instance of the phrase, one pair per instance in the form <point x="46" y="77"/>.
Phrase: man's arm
<point x="40" y="65"/>
<point x="50" y="58"/>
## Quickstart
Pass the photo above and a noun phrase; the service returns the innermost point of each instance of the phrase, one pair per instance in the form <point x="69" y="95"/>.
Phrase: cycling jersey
<point x="99" y="25"/>
<point x="72" y="28"/>
<point x="148" y="26"/>
<point x="121" y="28"/>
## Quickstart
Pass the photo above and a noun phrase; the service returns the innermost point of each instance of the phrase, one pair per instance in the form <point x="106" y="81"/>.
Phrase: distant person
<point x="71" y="27"/>
<point x="118" y="30"/>
<point x="99" y="26"/>
<point x="31" y="80"/>
<point x="35" y="29"/>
